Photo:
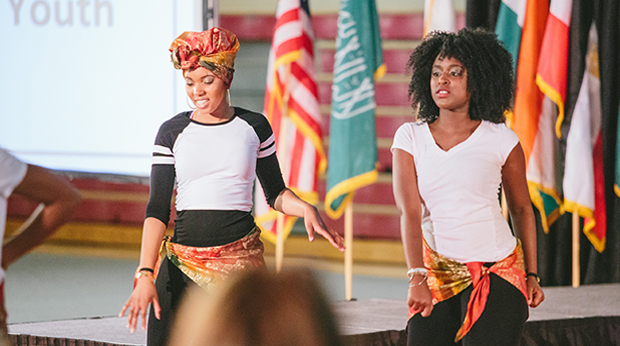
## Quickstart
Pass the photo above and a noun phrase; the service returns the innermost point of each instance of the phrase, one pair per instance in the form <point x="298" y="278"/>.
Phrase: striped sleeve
<point x="162" y="155"/>
<point x="267" y="147"/>
<point x="162" y="169"/>
<point x="167" y="136"/>
<point x="263" y="130"/>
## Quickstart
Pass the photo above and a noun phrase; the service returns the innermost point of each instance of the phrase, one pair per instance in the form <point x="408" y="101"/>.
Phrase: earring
<point x="229" y="101"/>
<point x="189" y="103"/>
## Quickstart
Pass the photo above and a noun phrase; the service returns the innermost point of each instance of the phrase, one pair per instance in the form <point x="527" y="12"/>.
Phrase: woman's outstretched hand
<point x="314" y="224"/>
<point x="143" y="294"/>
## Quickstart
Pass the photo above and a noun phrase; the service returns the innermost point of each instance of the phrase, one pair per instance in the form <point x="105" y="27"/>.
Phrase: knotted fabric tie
<point x="447" y="278"/>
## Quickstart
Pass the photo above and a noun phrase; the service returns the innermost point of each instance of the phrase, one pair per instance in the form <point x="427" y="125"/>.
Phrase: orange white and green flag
<point x="551" y="80"/>
<point x="536" y="132"/>
<point x="510" y="20"/>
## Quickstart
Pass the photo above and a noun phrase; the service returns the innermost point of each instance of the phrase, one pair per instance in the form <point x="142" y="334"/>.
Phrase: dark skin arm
<point x="406" y="194"/>
<point x="59" y="198"/>
<point x="520" y="206"/>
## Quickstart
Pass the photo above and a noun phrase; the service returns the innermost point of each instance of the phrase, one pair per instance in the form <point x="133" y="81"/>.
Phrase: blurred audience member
<point x="258" y="308"/>
<point x="58" y="199"/>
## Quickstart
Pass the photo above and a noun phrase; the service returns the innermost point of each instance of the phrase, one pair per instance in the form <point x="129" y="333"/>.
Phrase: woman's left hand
<point x="535" y="294"/>
<point x="314" y="223"/>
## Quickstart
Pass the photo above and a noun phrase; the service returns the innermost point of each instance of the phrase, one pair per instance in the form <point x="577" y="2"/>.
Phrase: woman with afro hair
<point x="470" y="278"/>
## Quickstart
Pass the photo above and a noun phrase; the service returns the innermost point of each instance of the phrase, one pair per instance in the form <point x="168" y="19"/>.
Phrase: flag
<point x="292" y="108"/>
<point x="482" y="14"/>
<point x="509" y="25"/>
<point x="584" y="188"/>
<point x="551" y="79"/>
<point x="528" y="98"/>
<point x="536" y="132"/>
<point x="553" y="65"/>
<point x="353" y="143"/>
<point x="607" y="19"/>
<point x="439" y="15"/>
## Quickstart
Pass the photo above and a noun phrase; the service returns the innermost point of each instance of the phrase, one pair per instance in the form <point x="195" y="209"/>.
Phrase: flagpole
<point x="210" y="14"/>
<point x="282" y="157"/>
<point x="348" y="252"/>
<point x="576" y="269"/>
<point x="279" y="242"/>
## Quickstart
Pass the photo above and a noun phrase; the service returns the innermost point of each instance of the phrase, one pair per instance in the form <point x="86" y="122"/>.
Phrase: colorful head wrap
<point x="214" y="49"/>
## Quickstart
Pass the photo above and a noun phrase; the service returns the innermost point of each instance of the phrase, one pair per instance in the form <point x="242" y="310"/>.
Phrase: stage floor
<point x="366" y="317"/>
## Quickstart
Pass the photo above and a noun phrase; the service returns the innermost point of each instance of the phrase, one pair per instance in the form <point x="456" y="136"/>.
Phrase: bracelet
<point x="142" y="273"/>
<point x="534" y="275"/>
<point x="417" y="271"/>
<point x="146" y="269"/>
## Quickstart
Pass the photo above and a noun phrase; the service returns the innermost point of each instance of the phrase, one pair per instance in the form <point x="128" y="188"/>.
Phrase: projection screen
<point x="85" y="84"/>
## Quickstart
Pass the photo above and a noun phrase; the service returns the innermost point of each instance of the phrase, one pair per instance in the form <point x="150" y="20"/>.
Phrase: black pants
<point x="171" y="285"/>
<point x="501" y="322"/>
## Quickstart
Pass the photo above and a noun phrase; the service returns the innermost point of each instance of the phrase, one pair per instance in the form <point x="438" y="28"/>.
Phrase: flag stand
<point x="348" y="252"/>
<point x="576" y="269"/>
<point x="282" y="159"/>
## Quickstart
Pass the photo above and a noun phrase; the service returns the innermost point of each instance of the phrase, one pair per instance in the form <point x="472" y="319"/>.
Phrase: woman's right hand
<point x="143" y="294"/>
<point x="420" y="299"/>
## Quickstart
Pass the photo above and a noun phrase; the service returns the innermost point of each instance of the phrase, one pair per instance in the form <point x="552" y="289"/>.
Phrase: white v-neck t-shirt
<point x="459" y="188"/>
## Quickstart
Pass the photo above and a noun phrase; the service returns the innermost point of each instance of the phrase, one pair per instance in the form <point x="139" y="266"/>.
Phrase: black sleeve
<point x="160" y="196"/>
<point x="162" y="173"/>
<point x="270" y="177"/>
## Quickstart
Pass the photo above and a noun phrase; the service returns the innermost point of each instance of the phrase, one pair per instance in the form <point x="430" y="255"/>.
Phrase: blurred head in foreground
<point x="258" y="308"/>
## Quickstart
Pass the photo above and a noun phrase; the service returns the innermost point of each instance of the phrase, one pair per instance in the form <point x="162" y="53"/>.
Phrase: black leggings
<point x="501" y="322"/>
<point x="171" y="285"/>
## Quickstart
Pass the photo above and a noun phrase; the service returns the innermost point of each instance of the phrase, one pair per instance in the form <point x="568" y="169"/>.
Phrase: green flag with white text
<point x="353" y="143"/>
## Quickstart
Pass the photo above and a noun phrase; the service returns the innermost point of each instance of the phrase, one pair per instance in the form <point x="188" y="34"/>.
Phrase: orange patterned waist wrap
<point x="208" y="265"/>
<point x="447" y="278"/>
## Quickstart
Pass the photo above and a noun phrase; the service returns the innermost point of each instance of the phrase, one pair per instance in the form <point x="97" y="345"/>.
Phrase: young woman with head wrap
<point x="471" y="279"/>
<point x="213" y="153"/>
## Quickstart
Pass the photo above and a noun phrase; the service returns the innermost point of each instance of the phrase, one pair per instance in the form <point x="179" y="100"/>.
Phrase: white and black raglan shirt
<point x="214" y="167"/>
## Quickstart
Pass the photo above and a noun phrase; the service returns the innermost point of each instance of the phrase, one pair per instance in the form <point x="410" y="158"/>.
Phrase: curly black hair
<point x="490" y="76"/>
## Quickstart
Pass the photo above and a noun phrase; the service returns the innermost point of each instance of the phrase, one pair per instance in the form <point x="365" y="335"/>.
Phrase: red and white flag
<point x="292" y="108"/>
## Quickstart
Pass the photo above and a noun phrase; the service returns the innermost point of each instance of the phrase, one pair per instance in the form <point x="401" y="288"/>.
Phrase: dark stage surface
<point x="588" y="315"/>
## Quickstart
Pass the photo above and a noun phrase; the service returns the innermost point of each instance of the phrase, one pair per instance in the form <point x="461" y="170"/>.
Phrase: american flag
<point x="292" y="107"/>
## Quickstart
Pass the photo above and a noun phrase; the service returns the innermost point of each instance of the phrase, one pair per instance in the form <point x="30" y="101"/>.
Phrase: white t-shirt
<point x="462" y="217"/>
<point x="12" y="172"/>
